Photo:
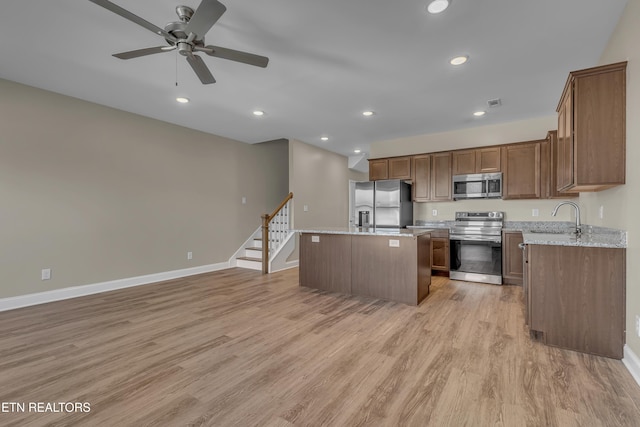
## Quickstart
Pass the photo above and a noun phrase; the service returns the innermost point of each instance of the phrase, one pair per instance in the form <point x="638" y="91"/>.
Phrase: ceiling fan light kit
<point x="187" y="36"/>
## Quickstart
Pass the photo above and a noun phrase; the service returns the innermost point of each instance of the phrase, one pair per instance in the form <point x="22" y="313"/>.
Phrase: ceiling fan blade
<point x="235" y="55"/>
<point x="204" y="17"/>
<point x="143" y="52"/>
<point x="133" y="18"/>
<point x="201" y="69"/>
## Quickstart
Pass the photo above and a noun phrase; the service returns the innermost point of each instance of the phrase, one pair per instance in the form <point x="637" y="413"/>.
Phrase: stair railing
<point x="275" y="228"/>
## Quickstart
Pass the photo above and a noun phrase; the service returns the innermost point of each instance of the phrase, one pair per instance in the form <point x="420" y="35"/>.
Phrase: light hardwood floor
<point x="239" y="348"/>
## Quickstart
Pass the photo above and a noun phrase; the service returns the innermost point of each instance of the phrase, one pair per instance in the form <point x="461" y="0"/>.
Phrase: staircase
<point x="270" y="245"/>
<point x="252" y="252"/>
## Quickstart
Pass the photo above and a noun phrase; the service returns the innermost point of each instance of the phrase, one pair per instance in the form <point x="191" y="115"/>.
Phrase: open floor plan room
<point x="236" y="347"/>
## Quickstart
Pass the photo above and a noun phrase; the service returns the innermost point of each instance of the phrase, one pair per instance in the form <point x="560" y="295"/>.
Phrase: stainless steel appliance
<point x="476" y="247"/>
<point x="477" y="186"/>
<point x="387" y="202"/>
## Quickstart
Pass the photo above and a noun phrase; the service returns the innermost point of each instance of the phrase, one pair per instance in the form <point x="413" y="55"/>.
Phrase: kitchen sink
<point x="551" y="231"/>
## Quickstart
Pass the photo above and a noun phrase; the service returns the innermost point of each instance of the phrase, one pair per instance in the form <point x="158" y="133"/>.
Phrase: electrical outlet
<point x="434" y="212"/>
<point x="306" y="208"/>
<point x="315" y="239"/>
<point x="535" y="212"/>
<point x="601" y="212"/>
<point x="244" y="200"/>
<point x="637" y="325"/>
<point x="394" y="243"/>
<point x="189" y="255"/>
<point x="46" y="274"/>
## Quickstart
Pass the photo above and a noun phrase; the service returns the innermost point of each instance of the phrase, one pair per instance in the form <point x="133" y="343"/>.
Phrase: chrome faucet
<point x="577" y="208"/>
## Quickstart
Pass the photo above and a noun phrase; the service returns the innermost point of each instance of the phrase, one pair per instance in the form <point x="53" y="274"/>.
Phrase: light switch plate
<point x="394" y="243"/>
<point x="535" y="212"/>
<point x="306" y="208"/>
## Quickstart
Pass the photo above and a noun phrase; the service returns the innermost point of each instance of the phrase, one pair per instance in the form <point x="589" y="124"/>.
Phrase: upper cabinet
<point x="378" y="169"/>
<point x="521" y="171"/>
<point x="431" y="177"/>
<point x="441" y="177"/>
<point x="391" y="168"/>
<point x="421" y="169"/>
<point x="481" y="160"/>
<point x="591" y="129"/>
<point x="549" y="168"/>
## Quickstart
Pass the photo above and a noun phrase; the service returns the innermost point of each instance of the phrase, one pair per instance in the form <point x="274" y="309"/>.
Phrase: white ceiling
<point x="329" y="61"/>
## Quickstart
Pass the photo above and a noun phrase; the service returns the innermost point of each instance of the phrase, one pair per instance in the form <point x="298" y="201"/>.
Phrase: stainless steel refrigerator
<point x="387" y="202"/>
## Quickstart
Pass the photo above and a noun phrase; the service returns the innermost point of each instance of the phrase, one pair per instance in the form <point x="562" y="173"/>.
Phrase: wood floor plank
<point x="236" y="347"/>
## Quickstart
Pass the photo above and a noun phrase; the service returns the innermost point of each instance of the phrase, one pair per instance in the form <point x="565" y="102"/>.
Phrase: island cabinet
<point x="576" y="297"/>
<point x="390" y="267"/>
<point x="521" y="171"/>
<point x="327" y="263"/>
<point x="480" y="160"/>
<point x="512" y="268"/>
<point x="390" y="168"/>
<point x="591" y="129"/>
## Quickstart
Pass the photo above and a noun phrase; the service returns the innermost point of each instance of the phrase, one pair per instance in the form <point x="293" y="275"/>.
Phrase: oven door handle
<point x="475" y="238"/>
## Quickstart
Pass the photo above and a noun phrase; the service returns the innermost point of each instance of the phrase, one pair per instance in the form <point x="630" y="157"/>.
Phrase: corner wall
<point x="97" y="194"/>
<point x="622" y="204"/>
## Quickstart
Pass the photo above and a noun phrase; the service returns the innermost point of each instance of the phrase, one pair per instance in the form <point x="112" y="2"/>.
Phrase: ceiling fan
<point x="187" y="36"/>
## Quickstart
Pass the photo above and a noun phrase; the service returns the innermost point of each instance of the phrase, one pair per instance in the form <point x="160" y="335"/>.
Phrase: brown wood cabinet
<point x="521" y="171"/>
<point x="512" y="270"/>
<point x="395" y="268"/>
<point x="441" y="177"/>
<point x="390" y="168"/>
<point x="480" y="160"/>
<point x="378" y="169"/>
<point x="591" y="129"/>
<point x="440" y="251"/>
<point x="549" y="168"/>
<point x="421" y="170"/>
<point x="576" y="297"/>
<point x="400" y="167"/>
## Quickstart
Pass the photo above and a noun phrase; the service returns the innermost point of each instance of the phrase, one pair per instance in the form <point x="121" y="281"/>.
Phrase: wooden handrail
<point x="279" y="208"/>
<point x="266" y="219"/>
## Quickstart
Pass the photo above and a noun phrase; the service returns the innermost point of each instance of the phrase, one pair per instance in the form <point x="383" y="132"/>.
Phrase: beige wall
<point x="97" y="194"/>
<point x="320" y="180"/>
<point x="622" y="204"/>
<point x="522" y="130"/>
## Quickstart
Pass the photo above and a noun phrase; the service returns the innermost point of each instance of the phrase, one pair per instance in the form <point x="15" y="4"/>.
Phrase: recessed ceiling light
<point x="479" y="113"/>
<point x="258" y="113"/>
<point x="368" y="113"/>
<point x="325" y="138"/>
<point x="437" y="6"/>
<point x="182" y="100"/>
<point x="459" y="60"/>
<point x="357" y="150"/>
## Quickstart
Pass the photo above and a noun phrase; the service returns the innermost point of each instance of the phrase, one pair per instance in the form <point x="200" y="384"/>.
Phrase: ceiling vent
<point x="493" y="103"/>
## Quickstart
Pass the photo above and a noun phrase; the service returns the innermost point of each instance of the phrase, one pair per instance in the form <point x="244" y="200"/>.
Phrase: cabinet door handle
<point x="521" y="246"/>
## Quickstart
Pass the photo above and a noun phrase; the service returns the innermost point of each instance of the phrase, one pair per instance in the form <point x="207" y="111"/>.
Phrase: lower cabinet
<point x="440" y="251"/>
<point x="576" y="297"/>
<point x="512" y="270"/>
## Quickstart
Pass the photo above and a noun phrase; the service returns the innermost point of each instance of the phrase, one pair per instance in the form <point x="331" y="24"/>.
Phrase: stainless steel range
<point x="476" y="247"/>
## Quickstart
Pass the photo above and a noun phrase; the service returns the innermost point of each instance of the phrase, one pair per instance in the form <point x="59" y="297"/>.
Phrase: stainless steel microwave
<point x="477" y="186"/>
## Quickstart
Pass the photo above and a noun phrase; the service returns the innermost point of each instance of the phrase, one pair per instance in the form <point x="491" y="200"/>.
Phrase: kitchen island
<point x="391" y="264"/>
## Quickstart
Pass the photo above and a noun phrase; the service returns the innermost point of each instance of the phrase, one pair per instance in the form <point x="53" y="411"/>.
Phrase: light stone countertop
<point x="365" y="231"/>
<point x="561" y="234"/>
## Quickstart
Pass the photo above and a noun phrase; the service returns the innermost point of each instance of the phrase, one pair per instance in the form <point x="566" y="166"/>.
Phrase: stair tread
<point x="248" y="258"/>
<point x="254" y="249"/>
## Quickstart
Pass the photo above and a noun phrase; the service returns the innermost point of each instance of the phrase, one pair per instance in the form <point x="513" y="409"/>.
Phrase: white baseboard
<point x="288" y="265"/>
<point x="12" y="303"/>
<point x="632" y="362"/>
